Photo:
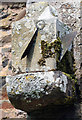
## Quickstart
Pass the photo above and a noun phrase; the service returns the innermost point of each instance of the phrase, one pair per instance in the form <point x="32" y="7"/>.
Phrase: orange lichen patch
<point x="12" y="114"/>
<point x="4" y="94"/>
<point x="6" y="105"/>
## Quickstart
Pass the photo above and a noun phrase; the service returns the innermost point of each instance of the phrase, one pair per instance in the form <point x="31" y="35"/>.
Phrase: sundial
<point x="38" y="38"/>
<point x="39" y="43"/>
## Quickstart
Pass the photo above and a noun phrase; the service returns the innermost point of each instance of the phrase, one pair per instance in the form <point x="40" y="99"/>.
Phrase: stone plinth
<point x="32" y="91"/>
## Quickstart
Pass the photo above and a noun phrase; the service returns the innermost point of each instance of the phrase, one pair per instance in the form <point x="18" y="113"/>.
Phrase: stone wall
<point x="6" y="108"/>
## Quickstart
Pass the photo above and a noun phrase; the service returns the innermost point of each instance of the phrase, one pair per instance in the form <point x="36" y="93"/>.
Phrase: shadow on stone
<point x="56" y="113"/>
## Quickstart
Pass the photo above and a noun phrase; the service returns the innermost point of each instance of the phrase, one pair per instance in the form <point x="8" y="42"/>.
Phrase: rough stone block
<point x="38" y="38"/>
<point x="33" y="91"/>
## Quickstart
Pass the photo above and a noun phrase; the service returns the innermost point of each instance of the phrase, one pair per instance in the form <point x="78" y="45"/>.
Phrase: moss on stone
<point x="47" y="52"/>
<point x="41" y="62"/>
<point x="68" y="67"/>
<point x="46" y="48"/>
<point x="69" y="100"/>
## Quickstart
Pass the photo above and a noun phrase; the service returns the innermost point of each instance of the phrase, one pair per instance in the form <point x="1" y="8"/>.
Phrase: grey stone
<point x="4" y="16"/>
<point x="10" y="65"/>
<point x="5" y="61"/>
<point x="67" y="14"/>
<point x="2" y="81"/>
<point x="6" y="50"/>
<point x="1" y="10"/>
<point x="29" y="32"/>
<point x="33" y="94"/>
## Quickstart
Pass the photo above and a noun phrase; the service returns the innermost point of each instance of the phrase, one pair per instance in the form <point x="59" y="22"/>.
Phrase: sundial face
<point x="66" y="42"/>
<point x="33" y="39"/>
<point x="66" y="35"/>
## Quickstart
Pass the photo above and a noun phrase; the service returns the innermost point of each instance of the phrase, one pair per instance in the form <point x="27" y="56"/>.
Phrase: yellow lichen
<point x="29" y="77"/>
<point x="68" y="100"/>
<point x="47" y="81"/>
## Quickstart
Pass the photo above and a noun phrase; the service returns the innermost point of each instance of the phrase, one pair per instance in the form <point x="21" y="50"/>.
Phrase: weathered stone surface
<point x="7" y="111"/>
<point x="5" y="37"/>
<point x="69" y="11"/>
<point x="20" y="15"/>
<point x="37" y="38"/>
<point x="32" y="91"/>
<point x="4" y="40"/>
<point x="5" y="23"/>
<point x="6" y="50"/>
<point x="4" y="16"/>
<point x="5" y="61"/>
<point x="2" y="80"/>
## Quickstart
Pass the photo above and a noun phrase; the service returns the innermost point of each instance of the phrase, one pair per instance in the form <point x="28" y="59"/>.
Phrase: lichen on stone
<point x="41" y="62"/>
<point x="51" y="49"/>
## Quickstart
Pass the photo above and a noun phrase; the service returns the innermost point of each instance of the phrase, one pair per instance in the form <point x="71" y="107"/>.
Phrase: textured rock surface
<point x="40" y="38"/>
<point x="32" y="91"/>
<point x="69" y="12"/>
<point x="8" y="13"/>
<point x="6" y="108"/>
